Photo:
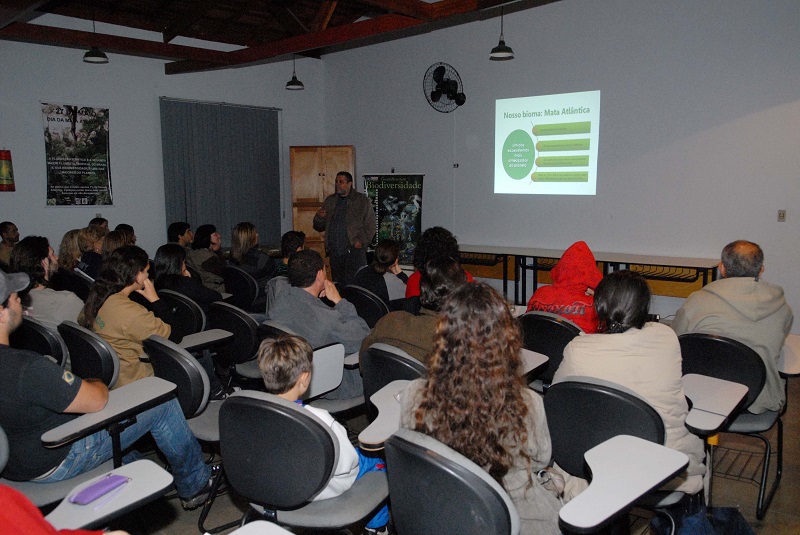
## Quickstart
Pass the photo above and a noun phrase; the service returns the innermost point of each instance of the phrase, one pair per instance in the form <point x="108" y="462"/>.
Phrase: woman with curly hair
<point x="436" y="242"/>
<point x="475" y="401"/>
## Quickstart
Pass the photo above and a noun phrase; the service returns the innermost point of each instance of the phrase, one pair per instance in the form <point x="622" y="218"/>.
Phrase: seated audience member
<point x="204" y="257"/>
<point x="37" y="395"/>
<point x="384" y="277"/>
<point x="436" y="242"/>
<point x="285" y="365"/>
<point x="747" y="309"/>
<point x="90" y="242"/>
<point x="291" y="242"/>
<point x="297" y="305"/>
<point x="124" y="227"/>
<point x="68" y="257"/>
<point x="246" y="255"/>
<point x="642" y="356"/>
<point x="475" y="401"/>
<point x="414" y="334"/>
<point x="170" y="273"/>
<point x="575" y="277"/>
<point x="114" y="240"/>
<point x="34" y="257"/>
<point x="99" y="222"/>
<point x="9" y="236"/>
<point x="180" y="232"/>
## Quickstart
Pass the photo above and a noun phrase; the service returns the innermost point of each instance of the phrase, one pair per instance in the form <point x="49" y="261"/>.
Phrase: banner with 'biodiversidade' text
<point x="397" y="200"/>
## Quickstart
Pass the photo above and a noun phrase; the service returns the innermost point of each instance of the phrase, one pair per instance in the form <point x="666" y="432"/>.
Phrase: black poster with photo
<point x="397" y="200"/>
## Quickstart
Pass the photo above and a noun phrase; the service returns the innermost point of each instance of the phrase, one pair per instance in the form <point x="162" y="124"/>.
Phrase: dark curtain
<point x="221" y="166"/>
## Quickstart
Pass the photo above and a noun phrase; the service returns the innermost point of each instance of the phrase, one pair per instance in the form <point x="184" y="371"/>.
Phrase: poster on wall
<point x="397" y="200"/>
<point x="76" y="151"/>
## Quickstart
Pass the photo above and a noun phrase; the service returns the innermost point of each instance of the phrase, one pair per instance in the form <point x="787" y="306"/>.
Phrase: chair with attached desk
<point x="90" y="355"/>
<point x="383" y="363"/>
<point x="435" y="490"/>
<point x="583" y="412"/>
<point x="243" y="287"/>
<point x="279" y="456"/>
<point x="369" y="306"/>
<point x="548" y="334"/>
<point x="724" y="358"/>
<point x="33" y="335"/>
<point x="184" y="316"/>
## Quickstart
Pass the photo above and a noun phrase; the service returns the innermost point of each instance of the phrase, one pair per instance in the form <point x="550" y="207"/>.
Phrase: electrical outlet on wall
<point x="781" y="216"/>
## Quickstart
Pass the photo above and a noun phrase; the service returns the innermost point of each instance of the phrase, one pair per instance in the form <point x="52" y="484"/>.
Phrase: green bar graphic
<point x="577" y="176"/>
<point x="554" y="145"/>
<point x="562" y="161"/>
<point x="562" y="128"/>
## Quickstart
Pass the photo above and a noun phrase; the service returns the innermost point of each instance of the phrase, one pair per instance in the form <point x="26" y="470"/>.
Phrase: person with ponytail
<point x="120" y="321"/>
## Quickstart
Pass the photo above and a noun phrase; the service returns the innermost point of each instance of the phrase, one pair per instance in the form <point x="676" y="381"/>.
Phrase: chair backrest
<point x="381" y="364"/>
<point x="277" y="454"/>
<point x="175" y="364"/>
<point x="326" y="370"/>
<point x="4" y="449"/>
<point x="245" y="342"/>
<point x="184" y="316"/>
<point x="273" y="329"/>
<point x="369" y="306"/>
<point x="548" y="334"/>
<point x="584" y="412"/>
<point x="241" y="285"/>
<point x="437" y="490"/>
<point x="34" y="335"/>
<point x="90" y="355"/>
<point x="723" y="358"/>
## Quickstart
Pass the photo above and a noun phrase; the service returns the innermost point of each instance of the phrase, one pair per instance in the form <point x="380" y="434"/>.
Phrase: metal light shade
<point x="294" y="84"/>
<point x="95" y="55"/>
<point x="501" y="52"/>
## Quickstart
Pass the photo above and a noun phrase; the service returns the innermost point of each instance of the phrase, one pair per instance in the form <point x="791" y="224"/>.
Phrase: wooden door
<point x="313" y="171"/>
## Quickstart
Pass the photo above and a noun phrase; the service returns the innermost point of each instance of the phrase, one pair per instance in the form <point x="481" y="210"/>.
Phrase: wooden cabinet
<point x="313" y="172"/>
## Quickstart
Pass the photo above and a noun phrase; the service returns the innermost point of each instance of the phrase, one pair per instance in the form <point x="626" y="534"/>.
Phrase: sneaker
<point x="221" y="393"/>
<point x="380" y="531"/>
<point x="193" y="502"/>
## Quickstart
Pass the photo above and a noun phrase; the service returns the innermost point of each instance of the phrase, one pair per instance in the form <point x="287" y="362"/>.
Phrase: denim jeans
<point x="172" y="436"/>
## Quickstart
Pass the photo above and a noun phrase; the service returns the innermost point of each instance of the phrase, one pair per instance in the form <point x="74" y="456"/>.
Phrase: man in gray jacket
<point x="297" y="305"/>
<point x="743" y="307"/>
<point x="348" y="220"/>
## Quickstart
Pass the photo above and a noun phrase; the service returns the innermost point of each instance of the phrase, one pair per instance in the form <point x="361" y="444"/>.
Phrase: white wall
<point x="698" y="136"/>
<point x="130" y="88"/>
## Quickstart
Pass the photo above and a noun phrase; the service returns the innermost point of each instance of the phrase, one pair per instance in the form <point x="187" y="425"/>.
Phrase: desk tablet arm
<point x="119" y="413"/>
<point x="205" y="339"/>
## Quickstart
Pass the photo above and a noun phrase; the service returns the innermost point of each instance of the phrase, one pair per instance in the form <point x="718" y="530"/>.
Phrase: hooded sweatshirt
<point x="572" y="276"/>
<point x="749" y="311"/>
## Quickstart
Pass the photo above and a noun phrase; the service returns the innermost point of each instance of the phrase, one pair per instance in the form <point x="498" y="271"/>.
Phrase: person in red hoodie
<point x="571" y="295"/>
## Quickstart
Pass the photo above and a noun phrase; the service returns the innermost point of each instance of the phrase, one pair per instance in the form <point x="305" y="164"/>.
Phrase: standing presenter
<point x="348" y="220"/>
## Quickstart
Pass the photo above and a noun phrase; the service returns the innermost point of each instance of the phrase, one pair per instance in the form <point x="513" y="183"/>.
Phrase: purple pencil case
<point x="98" y="489"/>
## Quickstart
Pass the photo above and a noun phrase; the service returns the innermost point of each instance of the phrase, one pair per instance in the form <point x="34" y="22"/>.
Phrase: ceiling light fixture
<point x="94" y="54"/>
<point x="501" y="52"/>
<point x="294" y="84"/>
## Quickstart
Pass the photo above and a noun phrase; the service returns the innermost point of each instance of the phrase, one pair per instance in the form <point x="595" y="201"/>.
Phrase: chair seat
<point x="363" y="498"/>
<point x="45" y="494"/>
<point x="753" y="423"/>
<point x="205" y="426"/>
<point x="248" y="369"/>
<point x="335" y="406"/>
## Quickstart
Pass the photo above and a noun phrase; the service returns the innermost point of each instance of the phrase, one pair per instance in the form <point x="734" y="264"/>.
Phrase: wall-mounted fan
<point x="443" y="88"/>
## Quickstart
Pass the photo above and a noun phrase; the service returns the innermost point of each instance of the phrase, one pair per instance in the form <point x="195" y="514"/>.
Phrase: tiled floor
<point x="783" y="517"/>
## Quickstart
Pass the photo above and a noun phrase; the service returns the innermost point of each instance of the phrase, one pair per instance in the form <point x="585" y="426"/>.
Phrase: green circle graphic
<point x="518" y="154"/>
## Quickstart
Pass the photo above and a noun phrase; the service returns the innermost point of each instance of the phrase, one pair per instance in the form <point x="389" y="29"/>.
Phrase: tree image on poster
<point x="397" y="200"/>
<point x="76" y="148"/>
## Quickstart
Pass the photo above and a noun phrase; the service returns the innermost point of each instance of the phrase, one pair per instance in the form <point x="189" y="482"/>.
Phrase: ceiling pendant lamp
<point x="94" y="54"/>
<point x="501" y="52"/>
<point x="294" y="84"/>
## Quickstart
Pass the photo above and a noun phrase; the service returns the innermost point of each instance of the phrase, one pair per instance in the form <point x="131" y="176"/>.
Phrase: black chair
<point x="239" y="355"/>
<point x="383" y="363"/>
<point x="184" y="315"/>
<point x="583" y="412"/>
<point x="369" y="306"/>
<point x="34" y="335"/>
<point x="548" y="334"/>
<point x="90" y="355"/>
<point x="279" y="456"/>
<point x="437" y="490"/>
<point x="723" y="358"/>
<point x="80" y="285"/>
<point x="242" y="286"/>
<point x="173" y="363"/>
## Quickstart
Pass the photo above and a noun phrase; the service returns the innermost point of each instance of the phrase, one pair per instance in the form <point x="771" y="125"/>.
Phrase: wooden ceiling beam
<point x="295" y="45"/>
<point x="411" y="8"/>
<point x="48" y="35"/>
<point x="185" y="22"/>
<point x="323" y="16"/>
<point x="17" y="10"/>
